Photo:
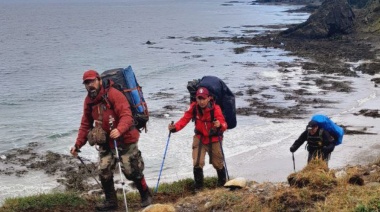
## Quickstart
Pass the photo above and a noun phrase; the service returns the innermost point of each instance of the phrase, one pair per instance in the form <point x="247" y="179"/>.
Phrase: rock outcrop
<point x="333" y="17"/>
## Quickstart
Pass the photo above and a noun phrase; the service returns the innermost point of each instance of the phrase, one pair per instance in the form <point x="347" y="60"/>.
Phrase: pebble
<point x="3" y="157"/>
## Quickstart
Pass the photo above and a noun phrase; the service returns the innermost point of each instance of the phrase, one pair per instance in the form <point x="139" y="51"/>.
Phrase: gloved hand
<point x="293" y="149"/>
<point x="171" y="128"/>
<point x="213" y="132"/>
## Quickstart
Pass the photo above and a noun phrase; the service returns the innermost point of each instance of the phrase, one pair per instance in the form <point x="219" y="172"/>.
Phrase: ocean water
<point x="47" y="45"/>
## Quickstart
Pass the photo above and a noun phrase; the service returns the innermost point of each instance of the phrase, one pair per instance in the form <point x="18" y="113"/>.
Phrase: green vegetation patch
<point x="185" y="185"/>
<point x="44" y="202"/>
<point x="315" y="175"/>
<point x="372" y="205"/>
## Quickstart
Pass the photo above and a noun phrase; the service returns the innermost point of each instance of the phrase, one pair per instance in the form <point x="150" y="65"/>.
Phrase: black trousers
<point x="318" y="153"/>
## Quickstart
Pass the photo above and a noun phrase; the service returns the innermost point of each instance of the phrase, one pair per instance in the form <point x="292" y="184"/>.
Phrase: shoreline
<point x="358" y="148"/>
<point x="275" y="168"/>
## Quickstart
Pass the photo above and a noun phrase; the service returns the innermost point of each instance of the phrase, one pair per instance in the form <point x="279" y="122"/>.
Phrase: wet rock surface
<point x="69" y="171"/>
<point x="327" y="56"/>
<point x="369" y="113"/>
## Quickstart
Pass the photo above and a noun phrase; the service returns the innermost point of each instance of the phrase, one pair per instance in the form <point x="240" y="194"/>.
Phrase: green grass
<point x="340" y="197"/>
<point x="185" y="185"/>
<point x="372" y="206"/>
<point x="43" y="202"/>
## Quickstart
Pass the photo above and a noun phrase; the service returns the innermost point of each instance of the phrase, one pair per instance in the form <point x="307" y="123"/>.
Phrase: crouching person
<point x="319" y="142"/>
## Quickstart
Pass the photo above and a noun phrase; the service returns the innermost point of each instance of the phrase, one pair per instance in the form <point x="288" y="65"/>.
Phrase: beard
<point x="93" y="92"/>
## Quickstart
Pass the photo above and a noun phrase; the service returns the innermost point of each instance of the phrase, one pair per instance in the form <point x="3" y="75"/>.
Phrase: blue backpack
<point x="125" y="81"/>
<point x="335" y="131"/>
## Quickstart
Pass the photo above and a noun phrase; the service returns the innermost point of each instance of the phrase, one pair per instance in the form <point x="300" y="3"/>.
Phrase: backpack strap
<point x="106" y="101"/>
<point x="106" y="85"/>
<point x="194" y="113"/>
<point x="212" y="114"/>
<point x="108" y="105"/>
<point x="321" y="133"/>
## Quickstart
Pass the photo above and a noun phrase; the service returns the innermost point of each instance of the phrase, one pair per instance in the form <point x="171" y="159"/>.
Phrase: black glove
<point x="293" y="149"/>
<point x="172" y="128"/>
<point x="326" y="149"/>
<point x="214" y="132"/>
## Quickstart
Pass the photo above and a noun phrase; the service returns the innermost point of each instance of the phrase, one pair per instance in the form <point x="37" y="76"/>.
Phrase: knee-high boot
<point x="146" y="196"/>
<point x="198" y="178"/>
<point x="110" y="203"/>
<point x="221" y="177"/>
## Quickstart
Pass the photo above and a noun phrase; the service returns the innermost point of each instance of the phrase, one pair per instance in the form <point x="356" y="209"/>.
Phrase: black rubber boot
<point x="198" y="178"/>
<point x="110" y="203"/>
<point x="146" y="196"/>
<point x="221" y="177"/>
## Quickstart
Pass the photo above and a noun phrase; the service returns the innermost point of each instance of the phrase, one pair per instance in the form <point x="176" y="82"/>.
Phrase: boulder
<point x="333" y="17"/>
<point x="159" y="208"/>
<point x="238" y="182"/>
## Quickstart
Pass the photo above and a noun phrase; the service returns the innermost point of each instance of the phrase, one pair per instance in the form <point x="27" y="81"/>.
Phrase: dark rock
<point x="333" y="17"/>
<point x="369" y="113"/>
<point x="369" y="68"/>
<point x="376" y="80"/>
<point x="356" y="180"/>
<point x="358" y="3"/>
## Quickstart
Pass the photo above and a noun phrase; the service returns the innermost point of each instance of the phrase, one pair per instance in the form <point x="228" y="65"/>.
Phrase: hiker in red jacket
<point x="319" y="142"/>
<point x="209" y="128"/>
<point x="103" y="109"/>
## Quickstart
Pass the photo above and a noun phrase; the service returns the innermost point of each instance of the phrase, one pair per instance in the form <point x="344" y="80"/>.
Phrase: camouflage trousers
<point x="132" y="163"/>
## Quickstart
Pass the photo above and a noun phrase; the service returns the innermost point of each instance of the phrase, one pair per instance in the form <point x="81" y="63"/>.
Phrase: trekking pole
<point x="224" y="158"/>
<point x="163" y="160"/>
<point x="294" y="163"/>
<point x="88" y="169"/>
<point x="111" y="120"/>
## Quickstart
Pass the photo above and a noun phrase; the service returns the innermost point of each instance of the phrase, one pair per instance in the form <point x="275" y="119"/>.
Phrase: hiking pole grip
<point x="170" y="132"/>
<point x="163" y="160"/>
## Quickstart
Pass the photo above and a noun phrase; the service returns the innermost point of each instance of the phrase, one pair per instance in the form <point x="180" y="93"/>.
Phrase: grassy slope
<point x="315" y="188"/>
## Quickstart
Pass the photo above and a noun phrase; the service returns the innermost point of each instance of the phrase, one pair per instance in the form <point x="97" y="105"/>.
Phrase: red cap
<point x="90" y="75"/>
<point x="203" y="92"/>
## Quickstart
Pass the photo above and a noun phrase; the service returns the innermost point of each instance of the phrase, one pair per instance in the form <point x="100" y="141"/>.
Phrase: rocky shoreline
<point x="325" y="56"/>
<point x="334" y="55"/>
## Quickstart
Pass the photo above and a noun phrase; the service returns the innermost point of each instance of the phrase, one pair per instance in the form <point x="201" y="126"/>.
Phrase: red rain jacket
<point x="118" y="108"/>
<point x="203" y="123"/>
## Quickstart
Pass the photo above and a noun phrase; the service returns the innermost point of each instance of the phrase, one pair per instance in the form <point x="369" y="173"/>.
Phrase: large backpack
<point x="125" y="81"/>
<point x="327" y="124"/>
<point x="222" y="95"/>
